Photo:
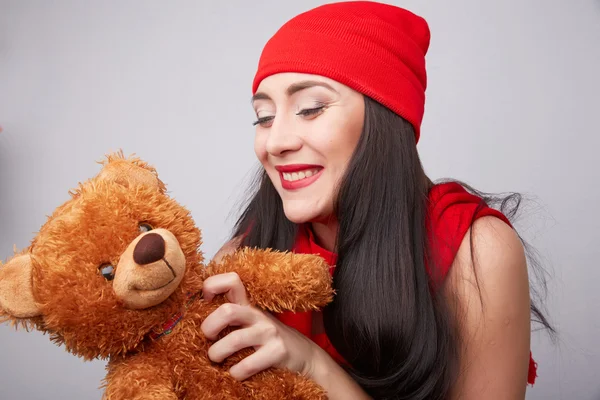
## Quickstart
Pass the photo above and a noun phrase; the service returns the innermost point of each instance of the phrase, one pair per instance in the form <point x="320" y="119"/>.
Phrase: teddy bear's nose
<point x="149" y="249"/>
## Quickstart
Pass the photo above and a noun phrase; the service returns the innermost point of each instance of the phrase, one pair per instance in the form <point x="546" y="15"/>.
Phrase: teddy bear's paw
<point x="280" y="281"/>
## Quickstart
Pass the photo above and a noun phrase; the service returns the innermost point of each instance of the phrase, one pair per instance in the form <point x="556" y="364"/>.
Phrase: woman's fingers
<point x="260" y="330"/>
<point x="272" y="354"/>
<point x="253" y="336"/>
<point x="228" y="283"/>
<point x="228" y="314"/>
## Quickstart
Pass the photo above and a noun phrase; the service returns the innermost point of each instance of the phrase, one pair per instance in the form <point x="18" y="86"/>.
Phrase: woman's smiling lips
<point x="296" y="176"/>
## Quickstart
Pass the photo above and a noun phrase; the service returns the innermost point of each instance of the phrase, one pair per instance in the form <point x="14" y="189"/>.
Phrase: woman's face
<point x="306" y="131"/>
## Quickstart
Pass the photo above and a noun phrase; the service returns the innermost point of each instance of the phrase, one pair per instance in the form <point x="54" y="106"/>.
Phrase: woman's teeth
<point x="294" y="176"/>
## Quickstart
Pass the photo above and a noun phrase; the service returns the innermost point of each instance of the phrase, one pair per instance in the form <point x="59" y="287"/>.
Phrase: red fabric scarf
<point x="451" y="211"/>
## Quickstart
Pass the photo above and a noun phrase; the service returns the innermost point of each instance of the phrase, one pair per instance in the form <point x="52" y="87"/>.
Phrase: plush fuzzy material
<point x="116" y="273"/>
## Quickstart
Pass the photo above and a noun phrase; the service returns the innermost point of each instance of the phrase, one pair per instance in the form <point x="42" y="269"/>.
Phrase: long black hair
<point x="398" y="335"/>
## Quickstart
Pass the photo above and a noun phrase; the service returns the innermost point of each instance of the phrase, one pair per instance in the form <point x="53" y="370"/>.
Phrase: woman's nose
<point x="283" y="137"/>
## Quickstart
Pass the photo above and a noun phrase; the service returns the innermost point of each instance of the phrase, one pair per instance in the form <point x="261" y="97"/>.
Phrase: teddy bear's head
<point x="113" y="262"/>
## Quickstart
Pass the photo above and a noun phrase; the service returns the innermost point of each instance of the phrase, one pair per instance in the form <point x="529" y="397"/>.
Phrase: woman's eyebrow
<point x="294" y="88"/>
<point x="298" y="86"/>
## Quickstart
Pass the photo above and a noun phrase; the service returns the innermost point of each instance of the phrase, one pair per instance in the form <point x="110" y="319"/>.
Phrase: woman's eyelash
<point x="262" y="120"/>
<point x="305" y="112"/>
<point x="311" y="111"/>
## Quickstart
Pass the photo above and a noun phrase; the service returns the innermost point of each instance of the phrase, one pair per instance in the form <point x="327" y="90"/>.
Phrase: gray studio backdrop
<point x="513" y="105"/>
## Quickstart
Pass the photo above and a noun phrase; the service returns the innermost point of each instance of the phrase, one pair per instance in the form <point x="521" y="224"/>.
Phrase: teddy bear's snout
<point x="149" y="270"/>
<point x="149" y="249"/>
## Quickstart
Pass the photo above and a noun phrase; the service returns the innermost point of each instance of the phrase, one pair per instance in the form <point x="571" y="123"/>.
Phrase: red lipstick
<point x="294" y="168"/>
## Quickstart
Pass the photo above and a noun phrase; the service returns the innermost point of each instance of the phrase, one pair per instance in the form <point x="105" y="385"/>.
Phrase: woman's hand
<point x="275" y="344"/>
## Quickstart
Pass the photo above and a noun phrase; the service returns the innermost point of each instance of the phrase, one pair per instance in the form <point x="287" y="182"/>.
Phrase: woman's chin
<point x="300" y="215"/>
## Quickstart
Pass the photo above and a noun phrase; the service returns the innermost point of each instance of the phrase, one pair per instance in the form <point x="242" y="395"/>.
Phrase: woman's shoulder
<point x="452" y="213"/>
<point x="482" y="238"/>
<point x="480" y="254"/>
<point x="491" y="249"/>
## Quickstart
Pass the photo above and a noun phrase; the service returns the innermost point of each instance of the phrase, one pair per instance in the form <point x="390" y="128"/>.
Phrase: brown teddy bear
<point x="116" y="273"/>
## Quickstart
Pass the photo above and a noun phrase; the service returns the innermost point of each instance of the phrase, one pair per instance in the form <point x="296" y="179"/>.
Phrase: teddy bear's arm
<point x="139" y="377"/>
<point x="279" y="281"/>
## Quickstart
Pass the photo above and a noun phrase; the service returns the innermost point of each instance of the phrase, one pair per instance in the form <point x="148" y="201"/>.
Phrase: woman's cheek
<point x="260" y="147"/>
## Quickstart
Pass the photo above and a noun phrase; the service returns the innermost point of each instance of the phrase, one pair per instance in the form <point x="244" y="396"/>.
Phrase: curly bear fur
<point x="116" y="273"/>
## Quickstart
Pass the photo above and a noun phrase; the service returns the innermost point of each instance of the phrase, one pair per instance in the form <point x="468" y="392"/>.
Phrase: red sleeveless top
<point x="451" y="210"/>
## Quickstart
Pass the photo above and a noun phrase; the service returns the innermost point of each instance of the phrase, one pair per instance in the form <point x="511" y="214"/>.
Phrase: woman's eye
<point x="107" y="271"/>
<point x="308" y="112"/>
<point x="145" y="227"/>
<point x="264" y="122"/>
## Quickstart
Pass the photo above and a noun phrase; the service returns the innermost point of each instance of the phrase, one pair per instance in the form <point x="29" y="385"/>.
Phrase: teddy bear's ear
<point x="16" y="291"/>
<point x="129" y="171"/>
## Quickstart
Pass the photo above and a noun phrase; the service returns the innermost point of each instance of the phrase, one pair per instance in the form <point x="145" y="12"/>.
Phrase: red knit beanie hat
<point x="376" y="49"/>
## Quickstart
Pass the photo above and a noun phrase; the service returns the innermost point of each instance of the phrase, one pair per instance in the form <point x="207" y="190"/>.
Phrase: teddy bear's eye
<point x="145" y="227"/>
<point x="107" y="271"/>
